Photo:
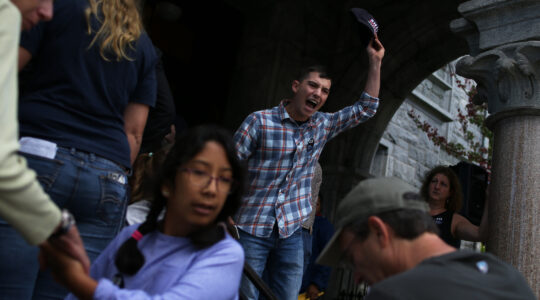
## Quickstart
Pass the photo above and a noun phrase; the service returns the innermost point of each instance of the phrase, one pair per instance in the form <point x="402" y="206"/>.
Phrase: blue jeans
<point x="308" y="240"/>
<point x="93" y="189"/>
<point x="283" y="258"/>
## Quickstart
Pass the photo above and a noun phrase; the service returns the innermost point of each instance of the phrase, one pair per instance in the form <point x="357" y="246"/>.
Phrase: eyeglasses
<point x="203" y="179"/>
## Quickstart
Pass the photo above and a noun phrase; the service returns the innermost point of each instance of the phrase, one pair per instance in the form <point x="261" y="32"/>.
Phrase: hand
<point x="68" y="271"/>
<point x="63" y="267"/>
<point x="312" y="292"/>
<point x="71" y="244"/>
<point x="375" y="50"/>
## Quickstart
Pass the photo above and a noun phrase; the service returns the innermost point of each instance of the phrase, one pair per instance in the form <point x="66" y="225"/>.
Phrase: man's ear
<point x="380" y="229"/>
<point x="295" y="85"/>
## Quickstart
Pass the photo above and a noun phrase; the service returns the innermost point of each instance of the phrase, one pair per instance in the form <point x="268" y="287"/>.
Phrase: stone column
<point x="504" y="39"/>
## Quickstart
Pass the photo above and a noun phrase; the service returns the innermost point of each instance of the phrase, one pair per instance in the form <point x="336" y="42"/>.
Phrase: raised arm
<point x="375" y="51"/>
<point x="465" y="230"/>
<point x="353" y="115"/>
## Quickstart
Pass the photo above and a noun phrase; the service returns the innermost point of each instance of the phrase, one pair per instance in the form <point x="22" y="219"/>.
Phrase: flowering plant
<point x="474" y="115"/>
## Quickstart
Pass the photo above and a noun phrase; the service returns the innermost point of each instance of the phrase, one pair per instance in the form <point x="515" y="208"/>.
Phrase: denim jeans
<point x="93" y="189"/>
<point x="308" y="239"/>
<point x="283" y="258"/>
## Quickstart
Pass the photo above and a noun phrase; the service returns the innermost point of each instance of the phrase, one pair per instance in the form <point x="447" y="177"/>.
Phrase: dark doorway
<point x="199" y="41"/>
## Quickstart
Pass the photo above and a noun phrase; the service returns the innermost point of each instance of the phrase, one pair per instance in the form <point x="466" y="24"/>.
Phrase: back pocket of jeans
<point x="113" y="198"/>
<point x="47" y="170"/>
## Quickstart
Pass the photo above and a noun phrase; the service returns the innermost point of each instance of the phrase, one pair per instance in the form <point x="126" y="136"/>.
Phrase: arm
<point x="23" y="204"/>
<point x="134" y="121"/>
<point x="366" y="107"/>
<point x="375" y="52"/>
<point x="245" y="138"/>
<point x="24" y="57"/>
<point x="69" y="272"/>
<point x="465" y="230"/>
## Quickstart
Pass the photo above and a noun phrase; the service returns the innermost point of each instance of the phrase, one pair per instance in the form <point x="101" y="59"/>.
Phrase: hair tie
<point x="137" y="235"/>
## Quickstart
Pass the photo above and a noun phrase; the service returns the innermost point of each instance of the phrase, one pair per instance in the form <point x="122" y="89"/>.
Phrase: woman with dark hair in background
<point x="442" y="191"/>
<point x="188" y="255"/>
<point x="82" y="112"/>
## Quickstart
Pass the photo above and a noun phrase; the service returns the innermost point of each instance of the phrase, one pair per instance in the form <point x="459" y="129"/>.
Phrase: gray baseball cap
<point x="368" y="198"/>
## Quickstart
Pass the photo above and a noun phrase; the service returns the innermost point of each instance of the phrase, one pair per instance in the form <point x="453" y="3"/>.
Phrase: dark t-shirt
<point x="460" y="275"/>
<point x="75" y="98"/>
<point x="162" y="115"/>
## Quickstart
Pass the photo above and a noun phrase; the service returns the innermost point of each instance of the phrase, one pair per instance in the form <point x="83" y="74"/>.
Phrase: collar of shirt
<point x="284" y="115"/>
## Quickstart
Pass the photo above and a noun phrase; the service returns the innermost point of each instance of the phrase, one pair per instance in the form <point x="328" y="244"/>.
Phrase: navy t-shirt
<point x="73" y="96"/>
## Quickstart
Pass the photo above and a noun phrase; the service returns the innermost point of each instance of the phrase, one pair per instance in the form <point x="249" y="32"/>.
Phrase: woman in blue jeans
<point x="82" y="112"/>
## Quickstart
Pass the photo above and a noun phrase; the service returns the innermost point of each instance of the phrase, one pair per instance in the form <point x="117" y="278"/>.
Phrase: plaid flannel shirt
<point x="281" y="157"/>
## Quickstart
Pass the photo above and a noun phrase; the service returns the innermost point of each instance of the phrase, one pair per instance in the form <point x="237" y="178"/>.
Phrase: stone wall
<point x="405" y="151"/>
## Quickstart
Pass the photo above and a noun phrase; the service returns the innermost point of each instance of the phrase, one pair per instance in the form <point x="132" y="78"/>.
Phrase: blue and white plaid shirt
<point x="281" y="157"/>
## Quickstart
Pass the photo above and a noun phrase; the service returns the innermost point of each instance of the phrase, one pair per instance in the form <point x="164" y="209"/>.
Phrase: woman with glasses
<point x="187" y="255"/>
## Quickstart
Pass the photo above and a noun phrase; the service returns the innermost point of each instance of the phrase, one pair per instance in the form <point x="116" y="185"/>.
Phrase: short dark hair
<point x="304" y="73"/>
<point x="455" y="201"/>
<point x="406" y="223"/>
<point x="129" y="259"/>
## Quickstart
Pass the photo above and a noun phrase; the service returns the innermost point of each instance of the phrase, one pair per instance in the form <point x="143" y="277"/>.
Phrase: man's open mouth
<point x="312" y="103"/>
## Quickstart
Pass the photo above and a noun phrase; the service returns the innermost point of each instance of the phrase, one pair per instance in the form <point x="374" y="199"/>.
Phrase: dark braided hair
<point x="129" y="259"/>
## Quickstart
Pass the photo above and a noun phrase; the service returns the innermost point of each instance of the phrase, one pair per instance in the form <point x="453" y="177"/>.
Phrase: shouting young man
<point x="282" y="146"/>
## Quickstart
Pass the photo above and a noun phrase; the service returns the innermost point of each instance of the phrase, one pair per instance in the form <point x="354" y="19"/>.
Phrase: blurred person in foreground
<point x="24" y="207"/>
<point x="82" y="112"/>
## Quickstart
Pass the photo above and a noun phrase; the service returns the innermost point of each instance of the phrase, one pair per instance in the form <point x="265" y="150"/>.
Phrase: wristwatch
<point x="66" y="221"/>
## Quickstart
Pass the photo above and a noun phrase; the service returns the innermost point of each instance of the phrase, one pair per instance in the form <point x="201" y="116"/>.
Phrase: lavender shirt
<point x="173" y="269"/>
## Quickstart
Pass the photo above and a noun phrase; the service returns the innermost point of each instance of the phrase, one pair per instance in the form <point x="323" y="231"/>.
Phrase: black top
<point x="161" y="116"/>
<point x="444" y="222"/>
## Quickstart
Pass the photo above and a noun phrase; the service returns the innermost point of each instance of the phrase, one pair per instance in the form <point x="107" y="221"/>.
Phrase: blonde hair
<point x="120" y="26"/>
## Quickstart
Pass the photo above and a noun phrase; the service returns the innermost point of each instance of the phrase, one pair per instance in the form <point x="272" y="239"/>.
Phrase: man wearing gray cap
<point x="385" y="233"/>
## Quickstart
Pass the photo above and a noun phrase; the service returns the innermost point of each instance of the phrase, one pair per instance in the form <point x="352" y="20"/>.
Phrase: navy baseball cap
<point x="369" y="26"/>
